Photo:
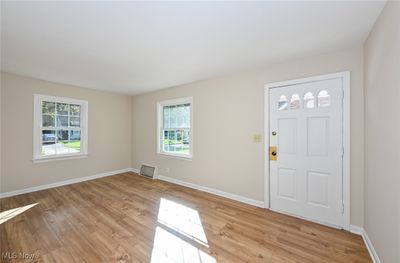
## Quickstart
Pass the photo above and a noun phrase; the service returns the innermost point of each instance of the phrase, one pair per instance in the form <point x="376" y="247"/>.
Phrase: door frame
<point x="345" y="76"/>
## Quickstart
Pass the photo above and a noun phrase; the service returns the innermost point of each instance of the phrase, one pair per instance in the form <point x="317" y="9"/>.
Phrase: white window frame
<point x="160" y="123"/>
<point x="37" y="128"/>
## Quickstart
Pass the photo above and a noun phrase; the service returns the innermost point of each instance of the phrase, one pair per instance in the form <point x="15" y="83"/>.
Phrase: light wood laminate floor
<point x="127" y="218"/>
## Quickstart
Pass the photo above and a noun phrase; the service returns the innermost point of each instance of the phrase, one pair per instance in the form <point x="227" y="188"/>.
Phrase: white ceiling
<point x="135" y="47"/>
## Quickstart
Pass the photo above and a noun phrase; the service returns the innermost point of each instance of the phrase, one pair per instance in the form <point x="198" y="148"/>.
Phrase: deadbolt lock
<point x="274" y="133"/>
<point x="273" y="153"/>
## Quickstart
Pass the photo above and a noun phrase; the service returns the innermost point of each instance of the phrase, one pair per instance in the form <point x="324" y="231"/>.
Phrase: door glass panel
<point x="295" y="102"/>
<point x="324" y="99"/>
<point x="282" y="103"/>
<point x="309" y="102"/>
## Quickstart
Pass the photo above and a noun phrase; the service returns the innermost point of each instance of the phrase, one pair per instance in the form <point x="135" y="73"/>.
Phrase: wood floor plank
<point x="118" y="219"/>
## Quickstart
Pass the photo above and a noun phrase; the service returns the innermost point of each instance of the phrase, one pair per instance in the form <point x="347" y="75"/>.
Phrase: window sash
<point x="39" y="128"/>
<point x="56" y="141"/>
<point x="180" y="143"/>
<point x="184" y="102"/>
<point x="182" y="115"/>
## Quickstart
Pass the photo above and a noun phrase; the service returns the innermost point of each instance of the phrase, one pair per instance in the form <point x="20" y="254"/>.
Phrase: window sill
<point x="59" y="158"/>
<point x="176" y="156"/>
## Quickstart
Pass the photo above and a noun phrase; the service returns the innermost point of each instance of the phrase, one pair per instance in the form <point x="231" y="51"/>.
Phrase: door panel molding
<point x="345" y="76"/>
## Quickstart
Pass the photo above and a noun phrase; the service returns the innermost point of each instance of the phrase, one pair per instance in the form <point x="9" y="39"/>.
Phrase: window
<point x="282" y="103"/>
<point x="60" y="128"/>
<point x="175" y="127"/>
<point x="308" y="100"/>
<point x="324" y="99"/>
<point x="295" y="102"/>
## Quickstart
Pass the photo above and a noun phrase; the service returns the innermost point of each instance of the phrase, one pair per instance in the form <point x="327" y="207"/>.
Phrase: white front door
<point x="306" y="127"/>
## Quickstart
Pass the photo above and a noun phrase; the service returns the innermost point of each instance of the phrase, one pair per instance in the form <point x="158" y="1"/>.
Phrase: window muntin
<point x="59" y="126"/>
<point x="175" y="127"/>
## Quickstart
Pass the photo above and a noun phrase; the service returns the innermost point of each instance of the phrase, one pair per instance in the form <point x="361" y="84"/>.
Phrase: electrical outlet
<point x="257" y="138"/>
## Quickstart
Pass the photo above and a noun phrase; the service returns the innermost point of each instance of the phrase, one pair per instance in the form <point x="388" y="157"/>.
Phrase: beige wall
<point x="228" y="111"/>
<point x="109" y="134"/>
<point x="382" y="140"/>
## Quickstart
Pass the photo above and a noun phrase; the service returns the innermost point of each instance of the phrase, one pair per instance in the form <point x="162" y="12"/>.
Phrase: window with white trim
<point x="175" y="118"/>
<point x="60" y="127"/>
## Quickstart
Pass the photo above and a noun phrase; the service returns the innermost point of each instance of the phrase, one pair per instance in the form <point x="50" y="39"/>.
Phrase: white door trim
<point x="346" y="136"/>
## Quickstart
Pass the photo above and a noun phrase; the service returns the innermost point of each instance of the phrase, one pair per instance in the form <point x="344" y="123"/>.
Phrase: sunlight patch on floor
<point x="179" y="236"/>
<point x="11" y="213"/>
<point x="182" y="219"/>
<point x="169" y="248"/>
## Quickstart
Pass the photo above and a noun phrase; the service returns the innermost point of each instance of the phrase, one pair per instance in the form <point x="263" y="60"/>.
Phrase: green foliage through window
<point x="176" y="128"/>
<point x="61" y="128"/>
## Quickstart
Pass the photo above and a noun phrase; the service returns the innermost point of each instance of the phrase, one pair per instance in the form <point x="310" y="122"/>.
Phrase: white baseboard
<point x="239" y="198"/>
<point x="66" y="182"/>
<point x="361" y="232"/>
<point x="356" y="230"/>
<point x="370" y="247"/>
<point x="135" y="170"/>
<point x="207" y="189"/>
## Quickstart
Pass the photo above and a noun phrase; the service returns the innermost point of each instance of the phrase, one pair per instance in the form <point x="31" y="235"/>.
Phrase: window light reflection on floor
<point x="11" y="213"/>
<point x="179" y="236"/>
<point x="169" y="248"/>
<point x="182" y="219"/>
